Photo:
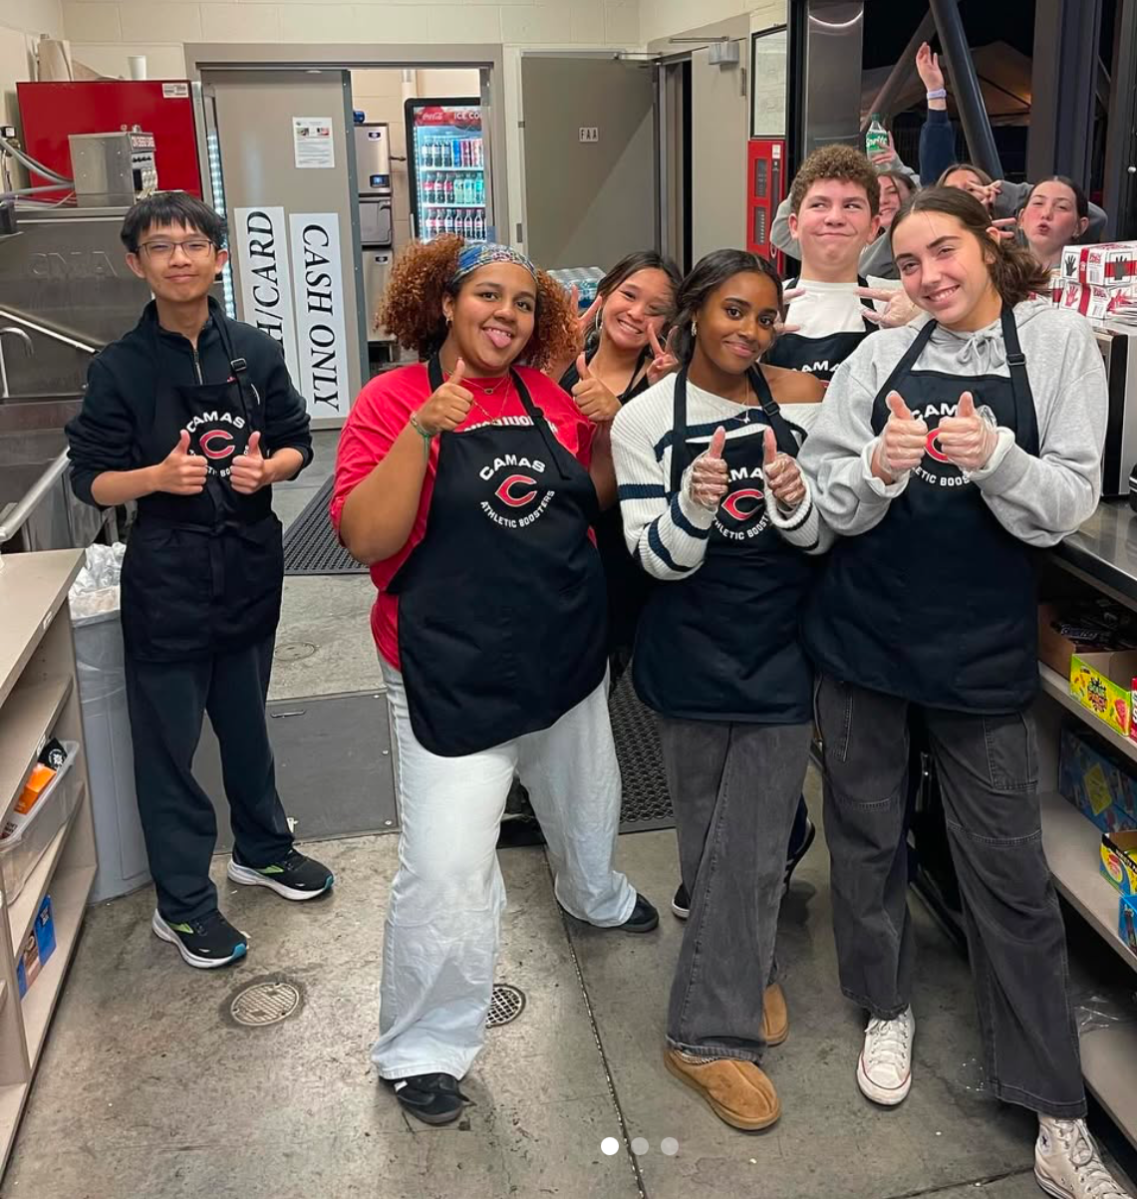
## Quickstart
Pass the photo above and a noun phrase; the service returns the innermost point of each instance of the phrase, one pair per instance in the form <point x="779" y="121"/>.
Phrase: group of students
<point x="820" y="528"/>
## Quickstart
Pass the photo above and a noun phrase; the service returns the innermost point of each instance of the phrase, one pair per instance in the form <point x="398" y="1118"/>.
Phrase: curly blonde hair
<point x="422" y="275"/>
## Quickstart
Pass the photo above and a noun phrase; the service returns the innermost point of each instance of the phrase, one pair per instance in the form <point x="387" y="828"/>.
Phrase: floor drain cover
<point x="265" y="1003"/>
<point x="294" y="651"/>
<point x="507" y="1005"/>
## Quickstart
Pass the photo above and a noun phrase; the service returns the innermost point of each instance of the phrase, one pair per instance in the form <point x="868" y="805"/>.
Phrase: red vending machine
<point x="164" y="107"/>
<point x="765" y="190"/>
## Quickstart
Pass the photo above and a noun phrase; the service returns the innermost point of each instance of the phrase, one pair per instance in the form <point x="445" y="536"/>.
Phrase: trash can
<point x="97" y="630"/>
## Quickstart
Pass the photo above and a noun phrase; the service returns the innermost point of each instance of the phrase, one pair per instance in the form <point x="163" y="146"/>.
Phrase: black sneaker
<point x="295" y="877"/>
<point x="799" y="852"/>
<point x="681" y="903"/>
<point x="435" y="1099"/>
<point x="209" y="942"/>
<point x="644" y="917"/>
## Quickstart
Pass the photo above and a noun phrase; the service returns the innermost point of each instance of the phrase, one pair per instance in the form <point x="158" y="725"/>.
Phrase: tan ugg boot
<point x="739" y="1092"/>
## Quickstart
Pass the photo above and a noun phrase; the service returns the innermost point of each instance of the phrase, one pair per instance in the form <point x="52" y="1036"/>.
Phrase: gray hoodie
<point x="1038" y="499"/>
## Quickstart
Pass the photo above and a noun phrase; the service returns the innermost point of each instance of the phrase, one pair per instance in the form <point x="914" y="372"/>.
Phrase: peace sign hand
<point x="900" y="309"/>
<point x="592" y="397"/>
<point x="663" y="360"/>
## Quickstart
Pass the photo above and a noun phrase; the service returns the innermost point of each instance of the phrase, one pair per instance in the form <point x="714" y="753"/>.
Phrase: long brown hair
<point x="1013" y="269"/>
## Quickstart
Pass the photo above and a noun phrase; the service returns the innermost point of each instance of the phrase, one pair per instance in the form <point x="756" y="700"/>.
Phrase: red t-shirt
<point x="380" y="415"/>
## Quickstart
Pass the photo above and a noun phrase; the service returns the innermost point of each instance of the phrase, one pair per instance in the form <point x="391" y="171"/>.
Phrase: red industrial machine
<point x="164" y="107"/>
<point x="765" y="190"/>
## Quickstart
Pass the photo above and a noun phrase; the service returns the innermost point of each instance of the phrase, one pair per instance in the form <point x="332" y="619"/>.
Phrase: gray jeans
<point x="734" y="789"/>
<point x="988" y="774"/>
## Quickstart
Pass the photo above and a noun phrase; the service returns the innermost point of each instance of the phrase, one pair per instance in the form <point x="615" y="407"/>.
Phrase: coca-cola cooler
<point x="765" y="190"/>
<point x="447" y="162"/>
<point x="50" y="112"/>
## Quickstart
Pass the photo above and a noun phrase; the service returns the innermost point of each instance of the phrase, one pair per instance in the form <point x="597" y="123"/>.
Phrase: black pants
<point x="988" y="772"/>
<point x="167" y="702"/>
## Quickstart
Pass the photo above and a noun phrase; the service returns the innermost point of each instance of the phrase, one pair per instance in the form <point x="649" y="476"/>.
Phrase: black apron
<point x="501" y="621"/>
<point x="819" y="356"/>
<point x="938" y="602"/>
<point x="724" y="644"/>
<point x="627" y="585"/>
<point x="194" y="586"/>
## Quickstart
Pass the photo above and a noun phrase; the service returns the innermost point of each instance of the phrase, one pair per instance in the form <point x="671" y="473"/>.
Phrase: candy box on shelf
<point x="1081" y="627"/>
<point x="1127" y="922"/>
<point x="39" y="946"/>
<point x="1103" y="683"/>
<point x="1119" y="860"/>
<point x="1107" y="264"/>
<point x="1097" y="781"/>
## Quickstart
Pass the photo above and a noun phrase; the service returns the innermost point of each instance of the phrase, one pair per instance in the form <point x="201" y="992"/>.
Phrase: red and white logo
<point x="744" y="504"/>
<point x="933" y="447"/>
<point x="508" y="493"/>
<point x="217" y="443"/>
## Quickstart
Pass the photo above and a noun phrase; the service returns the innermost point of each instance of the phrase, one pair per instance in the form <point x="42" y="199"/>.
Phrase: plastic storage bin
<point x="20" y="853"/>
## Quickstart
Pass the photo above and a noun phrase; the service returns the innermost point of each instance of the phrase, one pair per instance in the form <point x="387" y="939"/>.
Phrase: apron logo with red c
<point x="217" y="443"/>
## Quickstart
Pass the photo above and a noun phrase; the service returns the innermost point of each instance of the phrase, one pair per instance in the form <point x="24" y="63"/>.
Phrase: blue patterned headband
<point x="481" y="254"/>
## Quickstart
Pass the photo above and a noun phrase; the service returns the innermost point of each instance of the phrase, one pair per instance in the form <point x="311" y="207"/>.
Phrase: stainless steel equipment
<point x="831" y="87"/>
<point x="113" y="168"/>
<point x="376" y="229"/>
<point x="376" y="268"/>
<point x="1118" y="348"/>
<point x="373" y="157"/>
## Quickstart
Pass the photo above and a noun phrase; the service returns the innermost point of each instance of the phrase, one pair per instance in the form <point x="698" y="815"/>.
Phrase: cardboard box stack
<point x="1098" y="281"/>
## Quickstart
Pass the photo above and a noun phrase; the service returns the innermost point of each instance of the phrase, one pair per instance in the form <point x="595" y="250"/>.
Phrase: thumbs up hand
<point x="902" y="444"/>
<point x="181" y="473"/>
<point x="250" y="471"/>
<point x="970" y="437"/>
<point x="708" y="480"/>
<point x="446" y="408"/>
<point x="591" y="395"/>
<point x="783" y="477"/>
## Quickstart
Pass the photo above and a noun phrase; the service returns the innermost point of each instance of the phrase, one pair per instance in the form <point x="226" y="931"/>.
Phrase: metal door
<point x="588" y="133"/>
<point x="286" y="151"/>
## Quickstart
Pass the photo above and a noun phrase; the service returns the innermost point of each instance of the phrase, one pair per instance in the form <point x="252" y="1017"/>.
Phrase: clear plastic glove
<point x="789" y="294"/>
<point x="902" y="444"/>
<point x="969" y="438"/>
<point x="781" y="472"/>
<point x="709" y="480"/>
<point x="900" y="309"/>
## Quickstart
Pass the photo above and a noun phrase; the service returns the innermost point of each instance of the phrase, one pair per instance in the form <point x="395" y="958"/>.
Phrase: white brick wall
<point x="21" y="23"/>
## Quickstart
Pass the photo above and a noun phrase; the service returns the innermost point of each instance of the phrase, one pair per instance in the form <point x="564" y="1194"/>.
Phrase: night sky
<point x="890" y="23"/>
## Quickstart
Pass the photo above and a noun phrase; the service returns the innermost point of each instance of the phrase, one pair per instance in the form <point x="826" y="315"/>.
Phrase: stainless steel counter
<point x="1105" y="548"/>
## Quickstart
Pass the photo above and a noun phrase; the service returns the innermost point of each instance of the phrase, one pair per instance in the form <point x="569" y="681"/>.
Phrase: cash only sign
<point x="291" y="285"/>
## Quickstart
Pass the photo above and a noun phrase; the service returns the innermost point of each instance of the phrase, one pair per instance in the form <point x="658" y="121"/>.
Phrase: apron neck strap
<point x="1026" y="419"/>
<point x="772" y="411"/>
<point x="909" y="360"/>
<point x="436" y="378"/>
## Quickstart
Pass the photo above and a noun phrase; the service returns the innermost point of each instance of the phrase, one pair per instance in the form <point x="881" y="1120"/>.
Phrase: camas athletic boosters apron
<point x="938" y="602"/>
<point x="820" y="356"/>
<point x="202" y="573"/>
<point x="724" y="645"/>
<point x="502" y="624"/>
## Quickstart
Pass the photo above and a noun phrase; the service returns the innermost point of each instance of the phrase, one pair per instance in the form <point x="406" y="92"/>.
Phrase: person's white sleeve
<point x="666" y="534"/>
<point x="780" y="236"/>
<point x="837" y="459"/>
<point x="1041" y="499"/>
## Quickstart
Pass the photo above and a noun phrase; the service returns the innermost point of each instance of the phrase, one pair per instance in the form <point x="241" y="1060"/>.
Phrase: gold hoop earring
<point x="599" y="319"/>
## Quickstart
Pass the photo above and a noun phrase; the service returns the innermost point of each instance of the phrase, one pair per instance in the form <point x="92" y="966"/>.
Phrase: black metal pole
<point x="965" y="87"/>
<point x="901" y="73"/>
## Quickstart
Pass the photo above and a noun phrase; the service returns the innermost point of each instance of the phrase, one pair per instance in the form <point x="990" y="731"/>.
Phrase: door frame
<point x="214" y="57"/>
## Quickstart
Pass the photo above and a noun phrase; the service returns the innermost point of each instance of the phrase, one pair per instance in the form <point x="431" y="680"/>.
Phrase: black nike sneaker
<point x="208" y="942"/>
<point x="434" y="1099"/>
<point x="295" y="876"/>
<point x="681" y="903"/>
<point x="644" y="917"/>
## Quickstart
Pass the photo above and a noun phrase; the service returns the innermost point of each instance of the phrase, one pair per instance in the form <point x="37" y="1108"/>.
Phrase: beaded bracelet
<point x="427" y="438"/>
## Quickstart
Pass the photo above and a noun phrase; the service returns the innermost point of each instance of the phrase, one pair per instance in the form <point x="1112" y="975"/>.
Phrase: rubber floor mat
<point x="310" y="543"/>
<point x="646" y="803"/>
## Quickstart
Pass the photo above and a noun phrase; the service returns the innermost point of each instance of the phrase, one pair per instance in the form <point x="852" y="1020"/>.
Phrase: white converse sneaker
<point x="884" y="1072"/>
<point x="1067" y="1163"/>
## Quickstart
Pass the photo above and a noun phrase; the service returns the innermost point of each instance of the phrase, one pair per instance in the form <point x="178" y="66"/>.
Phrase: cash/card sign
<point x="260" y="238"/>
<point x="320" y="322"/>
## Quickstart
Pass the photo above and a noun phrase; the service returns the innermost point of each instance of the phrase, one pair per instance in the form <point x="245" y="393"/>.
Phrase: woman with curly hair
<point x="464" y="481"/>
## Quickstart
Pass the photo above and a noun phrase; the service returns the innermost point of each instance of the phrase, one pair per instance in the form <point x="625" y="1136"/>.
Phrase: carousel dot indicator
<point x="670" y="1147"/>
<point x="609" y="1146"/>
<point x="640" y="1145"/>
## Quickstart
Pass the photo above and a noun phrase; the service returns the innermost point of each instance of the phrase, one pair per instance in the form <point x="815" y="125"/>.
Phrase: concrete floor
<point x="147" y="1086"/>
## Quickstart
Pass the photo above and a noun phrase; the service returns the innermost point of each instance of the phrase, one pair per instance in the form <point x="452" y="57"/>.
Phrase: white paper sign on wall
<point x="320" y="320"/>
<point x="312" y="143"/>
<point x="260" y="238"/>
